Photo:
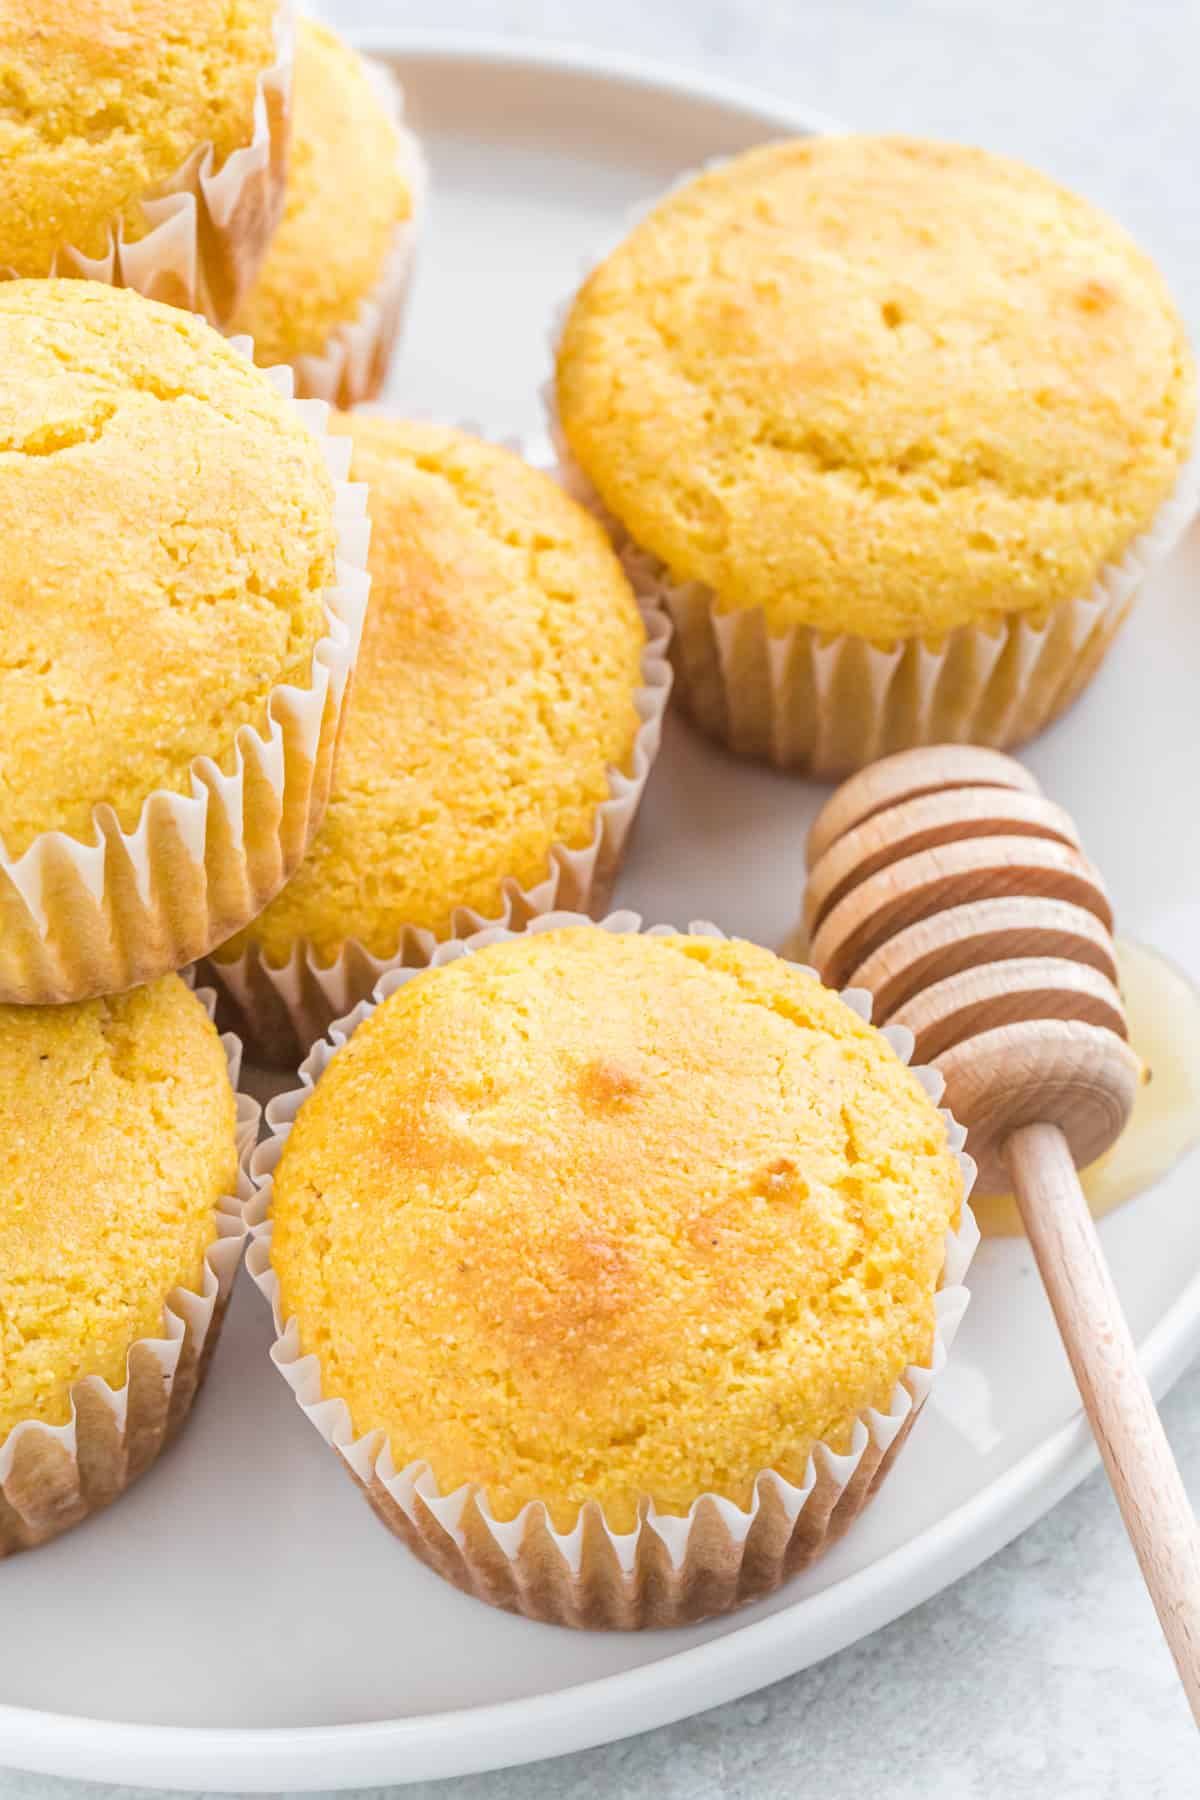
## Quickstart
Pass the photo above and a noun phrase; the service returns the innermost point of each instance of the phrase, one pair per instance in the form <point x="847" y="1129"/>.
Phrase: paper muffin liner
<point x="669" y="1570"/>
<point x="53" y="1476"/>
<point x="207" y="228"/>
<point x="84" y="918"/>
<point x="281" y="1011"/>
<point x="353" y="365"/>
<point x="829" y="703"/>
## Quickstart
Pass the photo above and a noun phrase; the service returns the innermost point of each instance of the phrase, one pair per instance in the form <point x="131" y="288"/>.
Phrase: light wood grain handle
<point x="1147" y="1483"/>
<point x="945" y="883"/>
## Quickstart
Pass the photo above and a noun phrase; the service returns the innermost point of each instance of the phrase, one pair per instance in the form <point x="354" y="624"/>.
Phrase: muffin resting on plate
<point x="329" y="298"/>
<point x="899" y="425"/>
<point x="627" y="1226"/>
<point x="118" y="1167"/>
<point x="144" y="144"/>
<point x="171" y="683"/>
<point x="500" y="729"/>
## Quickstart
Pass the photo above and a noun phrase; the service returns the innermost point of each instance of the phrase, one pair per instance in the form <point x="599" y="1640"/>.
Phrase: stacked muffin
<point x="178" y="637"/>
<point x="180" y="607"/>
<point x="626" y="1257"/>
<point x="180" y="613"/>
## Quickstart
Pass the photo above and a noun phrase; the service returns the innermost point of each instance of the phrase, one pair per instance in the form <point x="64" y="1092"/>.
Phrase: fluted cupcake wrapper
<point x="829" y="703"/>
<point x="282" y="1010"/>
<point x="353" y="364"/>
<point x="669" y="1570"/>
<point x="53" y="1476"/>
<point x="208" y="228"/>
<point x="79" y="919"/>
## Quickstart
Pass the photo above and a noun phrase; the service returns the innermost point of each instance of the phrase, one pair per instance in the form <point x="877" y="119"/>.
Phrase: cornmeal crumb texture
<point x="878" y="386"/>
<point x="346" y="195"/>
<point x="593" y="1216"/>
<point x="117" y="1125"/>
<point x="167" y="524"/>
<point x="103" y="101"/>
<point x="493" y="692"/>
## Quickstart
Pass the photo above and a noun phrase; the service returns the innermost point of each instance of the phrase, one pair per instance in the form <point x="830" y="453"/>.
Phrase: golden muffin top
<point x="167" y="523"/>
<point x="117" y="1139"/>
<point x="879" y="386"/>
<point x="322" y="263"/>
<point x="493" y="692"/>
<point x="593" y="1216"/>
<point x="104" y="100"/>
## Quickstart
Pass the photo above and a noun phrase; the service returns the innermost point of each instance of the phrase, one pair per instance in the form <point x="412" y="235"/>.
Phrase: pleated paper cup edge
<point x="413" y="1488"/>
<point x="720" y="639"/>
<point x="200" y="1313"/>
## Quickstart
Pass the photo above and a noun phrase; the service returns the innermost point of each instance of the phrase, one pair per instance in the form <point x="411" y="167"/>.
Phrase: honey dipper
<point x="944" y="882"/>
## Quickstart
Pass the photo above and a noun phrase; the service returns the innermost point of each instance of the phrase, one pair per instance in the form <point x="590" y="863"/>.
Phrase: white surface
<point x="743" y="812"/>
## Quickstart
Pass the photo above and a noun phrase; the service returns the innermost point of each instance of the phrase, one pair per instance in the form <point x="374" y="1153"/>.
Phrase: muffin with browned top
<point x="608" y="1228"/>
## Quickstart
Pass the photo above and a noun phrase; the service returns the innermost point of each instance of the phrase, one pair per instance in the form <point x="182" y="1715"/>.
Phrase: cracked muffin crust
<point x="168" y="530"/>
<point x="586" y="1215"/>
<point x="117" y="1140"/>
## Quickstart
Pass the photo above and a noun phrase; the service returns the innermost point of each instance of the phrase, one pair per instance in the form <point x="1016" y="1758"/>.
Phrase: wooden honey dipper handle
<point x="1144" y="1475"/>
<point x="943" y="882"/>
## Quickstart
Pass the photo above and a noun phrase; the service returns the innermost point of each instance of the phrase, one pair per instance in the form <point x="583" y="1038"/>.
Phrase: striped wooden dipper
<point x="945" y="882"/>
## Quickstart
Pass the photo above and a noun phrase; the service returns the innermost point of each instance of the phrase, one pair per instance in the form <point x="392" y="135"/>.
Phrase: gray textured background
<point x="1042" y="1674"/>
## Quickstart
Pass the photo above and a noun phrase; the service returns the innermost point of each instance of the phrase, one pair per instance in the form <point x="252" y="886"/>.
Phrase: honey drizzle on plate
<point x="1163" y="1011"/>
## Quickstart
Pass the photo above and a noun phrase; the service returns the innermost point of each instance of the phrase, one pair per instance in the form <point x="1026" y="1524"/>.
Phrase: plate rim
<point x="433" y="1746"/>
<point x="549" y="55"/>
<point x="437" y="1745"/>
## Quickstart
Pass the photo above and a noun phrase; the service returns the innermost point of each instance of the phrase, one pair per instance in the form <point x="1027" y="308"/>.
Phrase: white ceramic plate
<point x="241" y="1620"/>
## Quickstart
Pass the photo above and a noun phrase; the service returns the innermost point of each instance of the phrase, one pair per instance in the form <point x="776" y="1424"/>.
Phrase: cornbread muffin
<point x="885" y="393"/>
<point x="117" y="1144"/>
<point x="107" y="105"/>
<point x="595" y="1217"/>
<point x="346" y="163"/>
<point x="168" y="531"/>
<point x="169" y="551"/>
<point x="493" y="698"/>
